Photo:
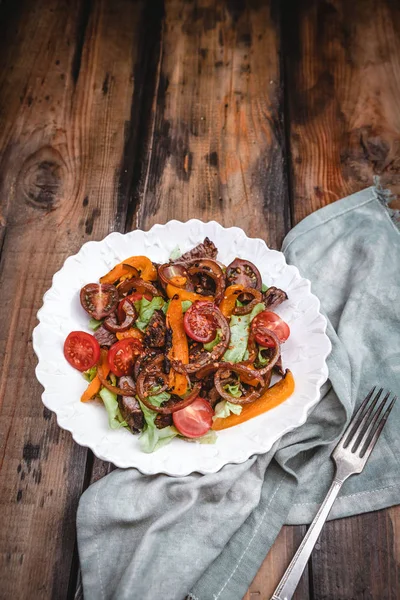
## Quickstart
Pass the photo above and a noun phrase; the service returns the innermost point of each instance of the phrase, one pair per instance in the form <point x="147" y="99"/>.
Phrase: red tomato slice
<point x="122" y="356"/>
<point x="99" y="299"/>
<point x="194" y="420"/>
<point x="81" y="350"/>
<point x="268" y="320"/>
<point x="198" y="326"/>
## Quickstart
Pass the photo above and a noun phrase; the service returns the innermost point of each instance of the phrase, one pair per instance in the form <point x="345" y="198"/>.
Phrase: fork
<point x="350" y="456"/>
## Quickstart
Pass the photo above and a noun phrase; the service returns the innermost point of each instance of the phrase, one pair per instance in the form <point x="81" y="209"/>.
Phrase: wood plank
<point x="358" y="557"/>
<point x="216" y="144"/>
<point x="343" y="82"/>
<point x="274" y="566"/>
<point x="215" y="147"/>
<point x="66" y="88"/>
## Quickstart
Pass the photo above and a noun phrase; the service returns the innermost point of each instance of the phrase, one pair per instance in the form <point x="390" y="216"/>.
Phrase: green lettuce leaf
<point x="115" y="418"/>
<point x="256" y="310"/>
<point x="209" y="438"/>
<point x="233" y="390"/>
<point x="263" y="360"/>
<point x="239" y="326"/>
<point x="165" y="307"/>
<point x="264" y="287"/>
<point x="90" y="374"/>
<point x="176" y="253"/>
<point x="151" y="438"/>
<point x="158" y="399"/>
<point x="185" y="305"/>
<point x="146" y="309"/>
<point x="214" y="342"/>
<point x="224" y="408"/>
<point x="94" y="324"/>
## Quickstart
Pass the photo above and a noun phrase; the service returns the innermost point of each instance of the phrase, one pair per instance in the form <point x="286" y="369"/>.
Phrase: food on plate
<point x="182" y="349"/>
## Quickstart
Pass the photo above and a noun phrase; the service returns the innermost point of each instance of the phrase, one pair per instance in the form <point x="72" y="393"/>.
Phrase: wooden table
<point x="120" y="114"/>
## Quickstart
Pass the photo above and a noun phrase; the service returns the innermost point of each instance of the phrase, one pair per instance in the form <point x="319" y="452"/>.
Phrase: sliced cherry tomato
<point x="243" y="272"/>
<point x="81" y="350"/>
<point x="267" y="320"/>
<point x="198" y="326"/>
<point x="194" y="420"/>
<point x="99" y="299"/>
<point x="122" y="356"/>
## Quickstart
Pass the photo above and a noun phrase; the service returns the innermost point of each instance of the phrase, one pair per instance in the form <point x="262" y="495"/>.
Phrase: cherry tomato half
<point x="194" y="420"/>
<point x="268" y="320"/>
<point x="99" y="299"/>
<point x="198" y="326"/>
<point x="243" y="272"/>
<point x="81" y="350"/>
<point x="122" y="356"/>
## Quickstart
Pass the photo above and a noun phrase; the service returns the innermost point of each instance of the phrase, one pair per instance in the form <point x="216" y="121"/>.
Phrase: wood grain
<point x="66" y="87"/>
<point x="342" y="62"/>
<point x="357" y="558"/>
<point x="274" y="566"/>
<point x="121" y="114"/>
<point x="215" y="148"/>
<point x="342" y="88"/>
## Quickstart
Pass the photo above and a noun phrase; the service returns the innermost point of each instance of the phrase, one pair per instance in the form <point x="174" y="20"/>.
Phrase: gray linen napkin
<point x="163" y="537"/>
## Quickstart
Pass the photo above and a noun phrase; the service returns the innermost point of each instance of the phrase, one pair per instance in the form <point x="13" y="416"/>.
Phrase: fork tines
<point x="368" y="422"/>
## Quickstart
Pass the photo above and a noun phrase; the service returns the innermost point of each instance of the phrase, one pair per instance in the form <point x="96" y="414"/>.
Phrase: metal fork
<point x="350" y="456"/>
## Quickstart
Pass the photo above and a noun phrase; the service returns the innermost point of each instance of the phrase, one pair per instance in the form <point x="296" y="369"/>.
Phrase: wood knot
<point x="41" y="178"/>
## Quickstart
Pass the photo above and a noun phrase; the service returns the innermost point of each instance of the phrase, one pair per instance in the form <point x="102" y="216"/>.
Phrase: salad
<point x="186" y="348"/>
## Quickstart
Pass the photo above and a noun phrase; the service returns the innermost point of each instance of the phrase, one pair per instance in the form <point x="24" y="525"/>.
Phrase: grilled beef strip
<point x="104" y="337"/>
<point x="129" y="406"/>
<point x="155" y="335"/>
<point x="207" y="249"/>
<point x="162" y="421"/>
<point x="273" y="297"/>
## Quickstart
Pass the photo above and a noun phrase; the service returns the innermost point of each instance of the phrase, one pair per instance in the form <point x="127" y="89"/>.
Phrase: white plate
<point x="304" y="353"/>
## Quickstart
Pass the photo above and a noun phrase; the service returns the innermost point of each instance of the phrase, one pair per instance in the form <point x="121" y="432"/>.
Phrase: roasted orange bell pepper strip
<point x="228" y="302"/>
<point x="185" y="295"/>
<point x="178" y="281"/>
<point x="130" y="333"/>
<point x="274" y="396"/>
<point x="148" y="272"/>
<point x="180" y="349"/>
<point x="247" y="379"/>
<point x="94" y="386"/>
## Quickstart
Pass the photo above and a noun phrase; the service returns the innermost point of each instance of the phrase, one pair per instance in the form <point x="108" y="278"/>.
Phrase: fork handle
<point x="293" y="573"/>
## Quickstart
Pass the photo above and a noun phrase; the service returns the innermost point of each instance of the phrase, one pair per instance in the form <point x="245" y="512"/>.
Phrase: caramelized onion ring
<point x="154" y="370"/>
<point x="111" y="322"/>
<point x="246" y="399"/>
<point x="167" y="410"/>
<point x="169" y="273"/>
<point x="210" y="268"/>
<point x="247" y="308"/>
<point x="276" y="354"/>
<point x="134" y="283"/>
